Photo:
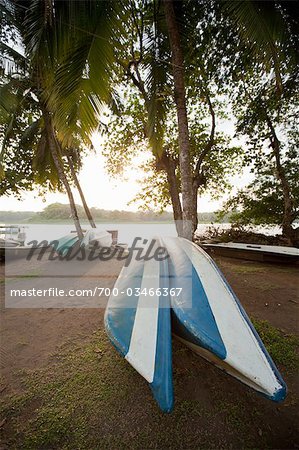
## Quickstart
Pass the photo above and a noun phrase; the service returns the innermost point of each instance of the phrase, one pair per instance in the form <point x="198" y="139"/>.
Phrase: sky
<point x="102" y="191"/>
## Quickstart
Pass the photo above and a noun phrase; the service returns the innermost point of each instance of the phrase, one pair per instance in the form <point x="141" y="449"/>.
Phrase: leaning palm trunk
<point x="78" y="186"/>
<point x="55" y="155"/>
<point x="180" y="101"/>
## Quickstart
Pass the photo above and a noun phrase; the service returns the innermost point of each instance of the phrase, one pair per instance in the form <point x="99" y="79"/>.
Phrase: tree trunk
<point x="180" y="101"/>
<point x="288" y="213"/>
<point x="167" y="164"/>
<point x="60" y="170"/>
<point x="198" y="176"/>
<point x="288" y="204"/>
<point x="175" y="198"/>
<point x="194" y="206"/>
<point x="78" y="186"/>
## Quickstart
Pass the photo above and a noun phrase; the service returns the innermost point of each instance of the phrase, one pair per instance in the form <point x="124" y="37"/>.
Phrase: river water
<point x="126" y="231"/>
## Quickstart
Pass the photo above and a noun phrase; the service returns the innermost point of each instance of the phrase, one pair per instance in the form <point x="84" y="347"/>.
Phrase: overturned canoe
<point x="138" y="324"/>
<point x="93" y="237"/>
<point x="254" y="252"/>
<point x="98" y="237"/>
<point x="209" y="319"/>
<point x="64" y="244"/>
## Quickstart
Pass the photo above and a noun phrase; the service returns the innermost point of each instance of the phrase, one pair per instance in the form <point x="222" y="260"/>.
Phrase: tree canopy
<point x="169" y="73"/>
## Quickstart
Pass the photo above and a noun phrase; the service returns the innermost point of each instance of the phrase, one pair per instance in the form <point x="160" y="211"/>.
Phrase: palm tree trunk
<point x="180" y="101"/>
<point x="59" y="167"/>
<point x="78" y="186"/>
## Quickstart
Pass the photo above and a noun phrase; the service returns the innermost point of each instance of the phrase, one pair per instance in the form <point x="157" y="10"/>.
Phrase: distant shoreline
<point x="98" y="221"/>
<point x="57" y="213"/>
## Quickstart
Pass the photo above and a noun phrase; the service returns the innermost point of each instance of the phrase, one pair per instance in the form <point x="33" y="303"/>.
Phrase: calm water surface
<point x="126" y="231"/>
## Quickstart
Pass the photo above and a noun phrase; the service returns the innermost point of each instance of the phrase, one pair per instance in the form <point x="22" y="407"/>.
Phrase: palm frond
<point x="14" y="96"/>
<point x="261" y="25"/>
<point x="85" y="69"/>
<point x="8" y="102"/>
<point x="157" y="82"/>
<point x="43" y="164"/>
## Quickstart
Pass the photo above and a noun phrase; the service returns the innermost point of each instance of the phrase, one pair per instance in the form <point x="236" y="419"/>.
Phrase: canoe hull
<point x="201" y="310"/>
<point x="222" y="365"/>
<point x="139" y="327"/>
<point x="222" y="333"/>
<point x="250" y="254"/>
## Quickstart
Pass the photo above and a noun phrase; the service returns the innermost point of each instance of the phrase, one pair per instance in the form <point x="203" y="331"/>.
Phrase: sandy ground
<point x="30" y="336"/>
<point x="42" y="330"/>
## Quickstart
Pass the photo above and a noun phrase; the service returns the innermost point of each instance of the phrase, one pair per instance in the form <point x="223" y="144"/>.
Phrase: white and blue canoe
<point x="64" y="245"/>
<point x="139" y="324"/>
<point x="201" y="310"/>
<point x="209" y="319"/>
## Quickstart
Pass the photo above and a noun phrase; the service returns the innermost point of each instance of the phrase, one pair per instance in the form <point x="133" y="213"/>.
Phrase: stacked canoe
<point x="192" y="300"/>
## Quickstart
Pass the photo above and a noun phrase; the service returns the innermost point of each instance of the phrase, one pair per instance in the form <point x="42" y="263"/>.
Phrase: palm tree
<point x="37" y="137"/>
<point x="47" y="162"/>
<point x="60" y="71"/>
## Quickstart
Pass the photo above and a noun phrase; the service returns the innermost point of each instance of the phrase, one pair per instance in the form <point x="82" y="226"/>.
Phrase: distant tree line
<point x="15" y="216"/>
<point x="61" y="212"/>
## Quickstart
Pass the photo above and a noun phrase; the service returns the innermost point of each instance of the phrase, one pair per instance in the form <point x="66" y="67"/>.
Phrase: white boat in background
<point x="254" y="252"/>
<point x="12" y="243"/>
<point x="12" y="236"/>
<point x="98" y="237"/>
<point x="94" y="238"/>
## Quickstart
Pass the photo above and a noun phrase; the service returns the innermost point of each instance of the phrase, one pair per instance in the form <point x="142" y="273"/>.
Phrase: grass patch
<point x="88" y="397"/>
<point x="252" y="267"/>
<point x="265" y="286"/>
<point x="71" y="396"/>
<point x="282" y="347"/>
<point x="248" y="269"/>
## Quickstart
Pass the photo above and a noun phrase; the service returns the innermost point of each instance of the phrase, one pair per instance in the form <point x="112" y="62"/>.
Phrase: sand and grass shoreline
<point x="63" y="386"/>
